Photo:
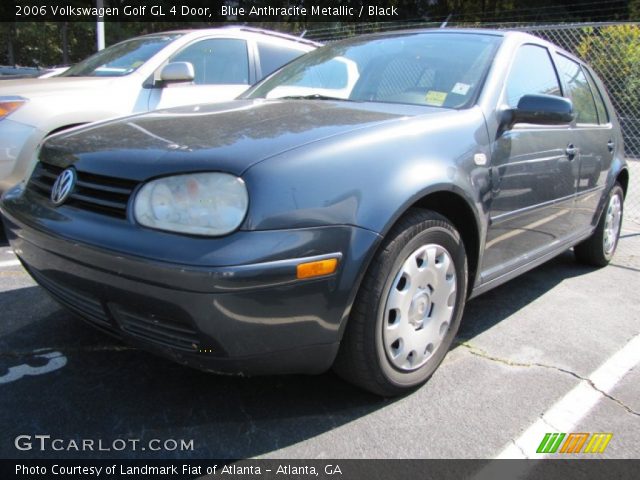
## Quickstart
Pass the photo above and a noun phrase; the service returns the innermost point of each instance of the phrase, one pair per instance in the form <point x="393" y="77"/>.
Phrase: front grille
<point x="157" y="330"/>
<point x="79" y="303"/>
<point x="97" y="193"/>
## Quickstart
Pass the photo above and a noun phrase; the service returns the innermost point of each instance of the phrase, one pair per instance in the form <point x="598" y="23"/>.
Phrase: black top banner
<point x="244" y="11"/>
<point x="212" y="10"/>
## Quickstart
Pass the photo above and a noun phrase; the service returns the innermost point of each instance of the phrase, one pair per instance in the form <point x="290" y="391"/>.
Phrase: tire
<point x="599" y="248"/>
<point x="429" y="304"/>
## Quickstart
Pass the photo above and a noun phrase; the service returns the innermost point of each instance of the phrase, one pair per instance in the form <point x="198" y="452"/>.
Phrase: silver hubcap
<point x="419" y="307"/>
<point x="612" y="224"/>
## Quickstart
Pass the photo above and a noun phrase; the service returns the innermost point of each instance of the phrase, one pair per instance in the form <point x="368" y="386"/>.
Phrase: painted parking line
<point x="9" y="263"/>
<point x="54" y="361"/>
<point x="566" y="413"/>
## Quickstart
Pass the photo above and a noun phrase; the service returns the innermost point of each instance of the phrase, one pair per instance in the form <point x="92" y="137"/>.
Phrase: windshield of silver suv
<point x="122" y="58"/>
<point x="434" y="69"/>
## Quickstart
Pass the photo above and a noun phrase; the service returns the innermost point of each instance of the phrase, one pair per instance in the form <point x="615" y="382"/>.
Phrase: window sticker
<point x="435" y="98"/>
<point x="460" y="88"/>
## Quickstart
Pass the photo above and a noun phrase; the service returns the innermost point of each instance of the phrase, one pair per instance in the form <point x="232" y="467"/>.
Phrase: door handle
<point x="571" y="151"/>
<point x="611" y="145"/>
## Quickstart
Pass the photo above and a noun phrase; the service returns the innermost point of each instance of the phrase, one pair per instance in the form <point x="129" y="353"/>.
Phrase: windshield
<point x="436" y="69"/>
<point x="122" y="58"/>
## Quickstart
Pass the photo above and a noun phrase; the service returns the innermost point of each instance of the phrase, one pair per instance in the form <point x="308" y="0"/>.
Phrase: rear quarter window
<point x="603" y="115"/>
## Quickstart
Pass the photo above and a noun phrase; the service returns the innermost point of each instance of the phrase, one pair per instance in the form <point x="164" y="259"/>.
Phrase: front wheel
<point x="598" y="249"/>
<point x="408" y="308"/>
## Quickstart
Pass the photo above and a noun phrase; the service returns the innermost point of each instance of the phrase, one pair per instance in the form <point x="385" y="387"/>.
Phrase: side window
<point x="217" y="61"/>
<point x="579" y="90"/>
<point x="532" y="73"/>
<point x="603" y="116"/>
<point x="272" y="57"/>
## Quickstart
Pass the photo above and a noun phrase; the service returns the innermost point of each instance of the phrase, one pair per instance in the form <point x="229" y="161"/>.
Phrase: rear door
<point x="534" y="172"/>
<point x="593" y="135"/>
<point x="222" y="72"/>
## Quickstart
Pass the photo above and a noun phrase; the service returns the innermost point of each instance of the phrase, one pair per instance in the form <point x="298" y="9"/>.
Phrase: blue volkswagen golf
<point x="340" y="213"/>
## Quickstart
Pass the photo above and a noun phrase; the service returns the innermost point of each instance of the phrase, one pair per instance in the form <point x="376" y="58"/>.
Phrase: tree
<point x="634" y="10"/>
<point x="614" y="53"/>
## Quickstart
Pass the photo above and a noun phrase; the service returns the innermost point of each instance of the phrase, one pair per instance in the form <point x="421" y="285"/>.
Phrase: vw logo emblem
<point x="63" y="186"/>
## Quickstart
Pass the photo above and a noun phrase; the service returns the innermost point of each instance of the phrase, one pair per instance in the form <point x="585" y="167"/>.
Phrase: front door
<point x="221" y="67"/>
<point x="534" y="172"/>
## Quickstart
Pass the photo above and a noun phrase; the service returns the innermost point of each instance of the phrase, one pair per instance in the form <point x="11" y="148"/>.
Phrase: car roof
<point x="244" y="30"/>
<point x="515" y="35"/>
<point x="452" y="30"/>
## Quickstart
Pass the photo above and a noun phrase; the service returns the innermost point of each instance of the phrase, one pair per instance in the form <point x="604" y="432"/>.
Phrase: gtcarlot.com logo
<point x="45" y="443"/>
<point x="574" y="442"/>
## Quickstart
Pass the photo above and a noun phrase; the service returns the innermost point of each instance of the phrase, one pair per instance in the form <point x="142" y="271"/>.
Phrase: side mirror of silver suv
<point x="177" y="72"/>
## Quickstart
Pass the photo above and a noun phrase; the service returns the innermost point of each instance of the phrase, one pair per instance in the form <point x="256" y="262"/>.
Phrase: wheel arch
<point x="619" y="173"/>
<point x="623" y="179"/>
<point x="451" y="204"/>
<point x="457" y="210"/>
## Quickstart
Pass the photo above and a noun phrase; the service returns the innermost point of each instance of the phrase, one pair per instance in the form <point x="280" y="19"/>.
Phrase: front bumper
<point x="251" y="317"/>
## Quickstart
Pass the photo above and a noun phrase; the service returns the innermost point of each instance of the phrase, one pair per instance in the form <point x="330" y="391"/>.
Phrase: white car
<point x="144" y="73"/>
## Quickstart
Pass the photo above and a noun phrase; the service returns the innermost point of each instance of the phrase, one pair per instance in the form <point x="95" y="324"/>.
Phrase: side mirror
<point x="177" y="72"/>
<point x="539" y="110"/>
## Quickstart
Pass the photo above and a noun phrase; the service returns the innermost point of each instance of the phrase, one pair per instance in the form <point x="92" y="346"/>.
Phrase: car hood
<point x="229" y="136"/>
<point x="41" y="87"/>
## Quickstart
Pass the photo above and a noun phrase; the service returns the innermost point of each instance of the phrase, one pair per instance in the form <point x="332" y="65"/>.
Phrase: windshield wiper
<point x="312" y="96"/>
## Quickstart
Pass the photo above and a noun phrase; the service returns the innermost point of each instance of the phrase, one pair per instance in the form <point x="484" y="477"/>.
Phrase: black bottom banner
<point x="320" y="469"/>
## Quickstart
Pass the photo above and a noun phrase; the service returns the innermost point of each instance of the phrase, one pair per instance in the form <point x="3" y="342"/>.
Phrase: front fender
<point x="369" y="178"/>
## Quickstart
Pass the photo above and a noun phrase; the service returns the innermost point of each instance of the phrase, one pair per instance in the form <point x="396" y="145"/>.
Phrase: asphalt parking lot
<point x="522" y="348"/>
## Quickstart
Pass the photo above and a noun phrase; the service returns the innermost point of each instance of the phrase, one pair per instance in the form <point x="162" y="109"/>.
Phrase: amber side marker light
<point x="316" y="269"/>
<point x="9" y="106"/>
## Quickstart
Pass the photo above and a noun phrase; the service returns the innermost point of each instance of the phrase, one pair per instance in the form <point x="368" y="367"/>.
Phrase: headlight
<point x="200" y="204"/>
<point x="9" y="105"/>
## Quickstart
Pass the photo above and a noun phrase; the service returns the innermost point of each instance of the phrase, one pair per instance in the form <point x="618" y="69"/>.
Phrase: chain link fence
<point x="612" y="49"/>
